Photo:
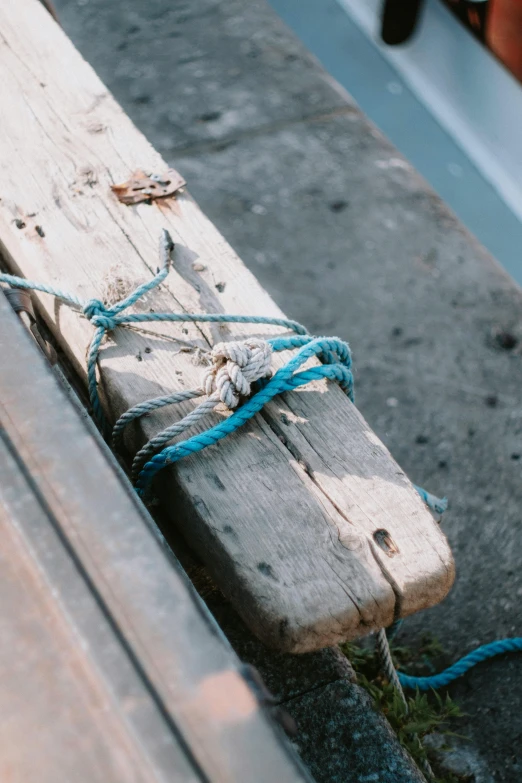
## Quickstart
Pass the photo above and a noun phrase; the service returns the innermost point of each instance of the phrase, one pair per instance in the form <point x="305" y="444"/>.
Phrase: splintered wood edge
<point x="291" y="538"/>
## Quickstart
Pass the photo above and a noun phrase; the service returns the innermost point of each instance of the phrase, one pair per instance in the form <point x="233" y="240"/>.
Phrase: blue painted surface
<point x="351" y="58"/>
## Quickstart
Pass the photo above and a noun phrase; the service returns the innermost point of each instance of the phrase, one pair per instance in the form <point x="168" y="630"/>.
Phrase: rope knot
<point x="235" y="366"/>
<point x="99" y="315"/>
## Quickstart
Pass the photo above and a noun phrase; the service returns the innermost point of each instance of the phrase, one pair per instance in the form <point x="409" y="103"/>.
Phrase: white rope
<point x="167" y="434"/>
<point x="384" y="652"/>
<point x="383" y="649"/>
<point x="235" y="366"/>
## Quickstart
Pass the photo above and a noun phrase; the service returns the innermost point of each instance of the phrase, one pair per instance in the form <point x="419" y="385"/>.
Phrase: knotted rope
<point x="334" y="352"/>
<point x="237" y="368"/>
<point x="107" y="318"/>
<point x="234" y="367"/>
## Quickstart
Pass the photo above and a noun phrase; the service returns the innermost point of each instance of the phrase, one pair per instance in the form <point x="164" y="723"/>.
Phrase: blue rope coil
<point x="439" y="505"/>
<point x="459" y="668"/>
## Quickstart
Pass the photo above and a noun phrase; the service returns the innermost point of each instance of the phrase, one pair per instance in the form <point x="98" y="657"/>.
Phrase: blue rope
<point x="336" y="366"/>
<point x="106" y="319"/>
<point x="334" y="353"/>
<point x="283" y="380"/>
<point x="461" y="667"/>
<point x="439" y="505"/>
<point x="21" y="282"/>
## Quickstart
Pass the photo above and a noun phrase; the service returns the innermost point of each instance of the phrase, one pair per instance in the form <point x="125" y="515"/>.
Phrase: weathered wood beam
<point x="288" y="513"/>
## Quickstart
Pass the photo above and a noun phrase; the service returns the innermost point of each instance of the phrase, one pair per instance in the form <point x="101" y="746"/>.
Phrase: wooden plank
<point x="283" y="513"/>
<point x="45" y="671"/>
<point x="101" y="630"/>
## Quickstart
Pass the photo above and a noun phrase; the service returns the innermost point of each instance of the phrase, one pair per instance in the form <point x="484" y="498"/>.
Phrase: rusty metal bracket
<point x="21" y="302"/>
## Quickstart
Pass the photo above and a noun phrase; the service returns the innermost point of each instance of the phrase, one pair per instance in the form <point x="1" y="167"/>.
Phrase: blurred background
<point x="453" y="108"/>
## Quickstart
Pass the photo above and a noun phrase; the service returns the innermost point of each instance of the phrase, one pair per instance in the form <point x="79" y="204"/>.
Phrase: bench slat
<point x="284" y="512"/>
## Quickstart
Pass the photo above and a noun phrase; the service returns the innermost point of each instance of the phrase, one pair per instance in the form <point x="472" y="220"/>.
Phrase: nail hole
<point x="210" y="116"/>
<point x="338" y="206"/>
<point x="506" y="341"/>
<point x="383" y="539"/>
<point x="266" y="570"/>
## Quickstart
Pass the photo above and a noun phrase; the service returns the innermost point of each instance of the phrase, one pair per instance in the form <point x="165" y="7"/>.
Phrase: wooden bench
<point x="288" y="513"/>
<point x="111" y="669"/>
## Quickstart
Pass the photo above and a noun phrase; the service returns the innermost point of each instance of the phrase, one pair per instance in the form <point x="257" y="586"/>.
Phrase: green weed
<point x="425" y="712"/>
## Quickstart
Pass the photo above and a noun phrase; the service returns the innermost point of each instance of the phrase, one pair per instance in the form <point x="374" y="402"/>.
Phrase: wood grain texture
<point x="284" y="512"/>
<point x="47" y="666"/>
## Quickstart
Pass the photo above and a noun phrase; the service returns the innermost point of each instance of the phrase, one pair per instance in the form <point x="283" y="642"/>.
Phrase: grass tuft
<point x="426" y="712"/>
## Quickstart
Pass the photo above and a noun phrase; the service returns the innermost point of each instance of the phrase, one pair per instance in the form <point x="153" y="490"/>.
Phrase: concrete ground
<point x="350" y="241"/>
